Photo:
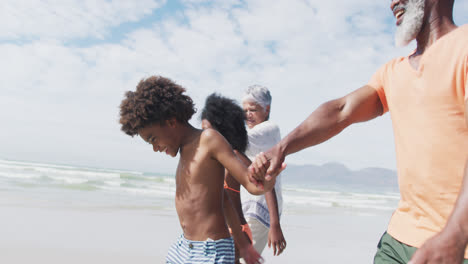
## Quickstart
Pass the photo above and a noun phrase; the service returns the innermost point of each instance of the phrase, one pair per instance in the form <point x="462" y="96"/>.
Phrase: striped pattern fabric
<point x="186" y="251"/>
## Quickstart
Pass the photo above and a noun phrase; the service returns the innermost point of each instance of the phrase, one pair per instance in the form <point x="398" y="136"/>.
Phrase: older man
<point x="426" y="95"/>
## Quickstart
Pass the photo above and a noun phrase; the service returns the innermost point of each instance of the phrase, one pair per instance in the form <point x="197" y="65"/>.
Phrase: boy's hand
<point x="260" y="165"/>
<point x="250" y="255"/>
<point x="267" y="166"/>
<point x="257" y="170"/>
<point x="253" y="179"/>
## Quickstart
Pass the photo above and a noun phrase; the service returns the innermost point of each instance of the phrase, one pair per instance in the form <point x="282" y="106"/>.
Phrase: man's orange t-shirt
<point x="427" y="107"/>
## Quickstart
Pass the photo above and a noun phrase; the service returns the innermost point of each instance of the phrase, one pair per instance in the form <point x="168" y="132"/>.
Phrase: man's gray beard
<point x="411" y="24"/>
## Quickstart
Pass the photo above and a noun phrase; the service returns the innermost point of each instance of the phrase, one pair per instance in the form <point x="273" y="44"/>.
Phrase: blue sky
<point x="66" y="65"/>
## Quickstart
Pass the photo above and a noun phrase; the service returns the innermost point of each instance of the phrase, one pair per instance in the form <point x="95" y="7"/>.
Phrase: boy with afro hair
<point x="159" y="111"/>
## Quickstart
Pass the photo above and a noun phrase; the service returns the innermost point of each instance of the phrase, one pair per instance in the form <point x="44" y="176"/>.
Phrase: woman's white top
<point x="261" y="138"/>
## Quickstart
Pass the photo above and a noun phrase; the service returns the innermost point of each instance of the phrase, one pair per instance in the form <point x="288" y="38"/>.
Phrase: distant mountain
<point x="338" y="176"/>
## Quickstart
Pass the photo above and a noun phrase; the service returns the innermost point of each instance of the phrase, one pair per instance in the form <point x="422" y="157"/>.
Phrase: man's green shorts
<point x="391" y="251"/>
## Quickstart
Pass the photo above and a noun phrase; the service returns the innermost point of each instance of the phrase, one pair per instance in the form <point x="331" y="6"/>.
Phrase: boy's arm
<point x="246" y="250"/>
<point x="275" y="235"/>
<point x="220" y="150"/>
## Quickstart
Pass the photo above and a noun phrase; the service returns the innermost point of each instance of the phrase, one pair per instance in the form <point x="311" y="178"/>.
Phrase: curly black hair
<point x="226" y="116"/>
<point x="156" y="100"/>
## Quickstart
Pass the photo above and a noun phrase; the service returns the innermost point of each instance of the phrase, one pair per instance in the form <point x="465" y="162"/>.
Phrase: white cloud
<point x="67" y="19"/>
<point x="60" y="103"/>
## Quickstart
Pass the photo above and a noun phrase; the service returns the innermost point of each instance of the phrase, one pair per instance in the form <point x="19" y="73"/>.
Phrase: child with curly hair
<point x="228" y="118"/>
<point x="159" y="111"/>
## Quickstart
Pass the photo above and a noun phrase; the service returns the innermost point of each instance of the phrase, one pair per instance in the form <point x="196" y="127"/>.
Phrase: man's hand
<point x="447" y="247"/>
<point x="276" y="158"/>
<point x="257" y="173"/>
<point x="250" y="255"/>
<point x="269" y="164"/>
<point x="276" y="239"/>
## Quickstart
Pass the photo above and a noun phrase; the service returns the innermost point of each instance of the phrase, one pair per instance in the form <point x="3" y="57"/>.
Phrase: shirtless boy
<point x="158" y="112"/>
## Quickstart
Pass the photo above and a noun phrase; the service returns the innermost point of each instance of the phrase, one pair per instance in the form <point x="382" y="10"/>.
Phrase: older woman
<point x="262" y="212"/>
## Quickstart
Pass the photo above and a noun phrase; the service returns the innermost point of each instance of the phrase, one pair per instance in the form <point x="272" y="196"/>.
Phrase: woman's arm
<point x="275" y="235"/>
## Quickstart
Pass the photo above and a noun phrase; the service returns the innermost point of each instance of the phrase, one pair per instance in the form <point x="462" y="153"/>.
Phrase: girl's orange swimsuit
<point x="245" y="227"/>
<point x="246" y="230"/>
<point x="229" y="188"/>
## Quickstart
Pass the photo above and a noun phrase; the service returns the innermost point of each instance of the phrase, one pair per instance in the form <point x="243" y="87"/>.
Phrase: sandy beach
<point x="35" y="230"/>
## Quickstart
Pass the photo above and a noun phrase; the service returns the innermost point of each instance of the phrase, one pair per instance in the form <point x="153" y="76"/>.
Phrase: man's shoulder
<point x="450" y="48"/>
<point x="394" y="62"/>
<point x="462" y="31"/>
<point x="460" y="36"/>
<point x="390" y="66"/>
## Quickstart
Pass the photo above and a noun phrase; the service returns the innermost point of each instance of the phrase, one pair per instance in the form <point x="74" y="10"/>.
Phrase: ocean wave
<point x="78" y="187"/>
<point x="293" y="188"/>
<point x="30" y="175"/>
<point x="13" y="175"/>
<point x="339" y="199"/>
<point x="156" y="186"/>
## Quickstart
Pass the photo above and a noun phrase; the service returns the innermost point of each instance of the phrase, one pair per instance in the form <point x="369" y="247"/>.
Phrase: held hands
<point x="250" y="255"/>
<point x="276" y="239"/>
<point x="276" y="157"/>
<point x="444" y="248"/>
<point x="257" y="170"/>
<point x="266" y="166"/>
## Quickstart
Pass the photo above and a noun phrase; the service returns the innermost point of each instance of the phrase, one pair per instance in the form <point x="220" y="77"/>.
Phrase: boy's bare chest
<point x="197" y="167"/>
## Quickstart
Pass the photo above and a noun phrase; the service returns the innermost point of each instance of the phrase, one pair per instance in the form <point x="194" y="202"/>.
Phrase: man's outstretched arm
<point x="325" y="122"/>
<point x="450" y="244"/>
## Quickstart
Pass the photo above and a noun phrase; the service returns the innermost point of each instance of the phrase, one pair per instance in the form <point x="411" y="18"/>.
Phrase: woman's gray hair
<point x="257" y="94"/>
